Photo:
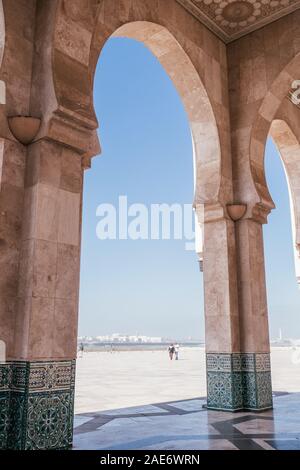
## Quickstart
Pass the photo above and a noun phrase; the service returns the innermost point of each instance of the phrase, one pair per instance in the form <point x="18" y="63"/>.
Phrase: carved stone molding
<point x="260" y="213"/>
<point x="231" y="19"/>
<point x="75" y="131"/>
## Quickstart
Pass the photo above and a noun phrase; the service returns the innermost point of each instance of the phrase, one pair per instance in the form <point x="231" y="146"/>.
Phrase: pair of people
<point x="173" y="349"/>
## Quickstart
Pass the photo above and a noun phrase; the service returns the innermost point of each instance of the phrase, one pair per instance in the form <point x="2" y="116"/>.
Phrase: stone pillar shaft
<point x="12" y="171"/>
<point x="253" y="311"/>
<point x="237" y="337"/>
<point x="252" y="287"/>
<point x="39" y="376"/>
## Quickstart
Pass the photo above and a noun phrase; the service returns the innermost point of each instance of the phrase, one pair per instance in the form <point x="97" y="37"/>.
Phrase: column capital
<point x="72" y="130"/>
<point x="235" y="212"/>
<point x="63" y="127"/>
<point x="259" y="213"/>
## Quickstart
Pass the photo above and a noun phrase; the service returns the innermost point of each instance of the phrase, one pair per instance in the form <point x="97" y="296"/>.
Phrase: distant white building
<point x="119" y="338"/>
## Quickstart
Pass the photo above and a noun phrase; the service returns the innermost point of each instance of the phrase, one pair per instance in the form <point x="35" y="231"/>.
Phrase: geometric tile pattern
<point x="186" y="425"/>
<point x="4" y="423"/>
<point x="239" y="381"/>
<point x="5" y="380"/>
<point x="231" y="19"/>
<point x="36" y="404"/>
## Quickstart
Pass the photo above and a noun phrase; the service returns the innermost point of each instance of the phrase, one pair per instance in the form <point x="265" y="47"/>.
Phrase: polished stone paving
<point x="186" y="425"/>
<point x="106" y="381"/>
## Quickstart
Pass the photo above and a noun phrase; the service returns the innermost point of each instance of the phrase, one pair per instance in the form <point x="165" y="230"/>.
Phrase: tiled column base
<point x="36" y="405"/>
<point x="239" y="381"/>
<point x="5" y="374"/>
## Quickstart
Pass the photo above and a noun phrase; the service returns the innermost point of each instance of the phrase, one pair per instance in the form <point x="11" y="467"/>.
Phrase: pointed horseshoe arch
<point x="206" y="144"/>
<point x="74" y="65"/>
<point x="288" y="146"/>
<point x="268" y="110"/>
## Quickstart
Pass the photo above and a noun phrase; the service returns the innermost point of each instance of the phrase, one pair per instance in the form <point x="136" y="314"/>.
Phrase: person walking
<point x="176" y="348"/>
<point x="171" y="351"/>
<point x="81" y="349"/>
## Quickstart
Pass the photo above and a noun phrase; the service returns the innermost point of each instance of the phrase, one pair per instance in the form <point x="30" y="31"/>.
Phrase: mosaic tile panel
<point x="48" y="421"/>
<point x="249" y="390"/>
<point x="5" y="377"/>
<point x="239" y="381"/>
<point x="263" y="362"/>
<point x="264" y="390"/>
<point x="236" y="362"/>
<point x="4" y="419"/>
<point x="219" y="362"/>
<point x="231" y="19"/>
<point x="36" y="405"/>
<point x="5" y="380"/>
<point x="248" y="362"/>
<point x="48" y="376"/>
<point x="17" y="420"/>
<point x="224" y="391"/>
<point x="19" y="376"/>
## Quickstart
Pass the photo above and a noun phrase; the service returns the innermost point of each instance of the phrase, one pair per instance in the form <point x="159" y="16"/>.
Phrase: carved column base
<point x="36" y="405"/>
<point x="239" y="381"/>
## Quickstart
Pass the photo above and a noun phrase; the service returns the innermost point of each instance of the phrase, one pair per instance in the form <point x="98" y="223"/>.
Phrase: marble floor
<point x="186" y="425"/>
<point x="107" y="381"/>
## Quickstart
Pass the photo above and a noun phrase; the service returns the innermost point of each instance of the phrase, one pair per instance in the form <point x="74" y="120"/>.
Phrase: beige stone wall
<point x="261" y="67"/>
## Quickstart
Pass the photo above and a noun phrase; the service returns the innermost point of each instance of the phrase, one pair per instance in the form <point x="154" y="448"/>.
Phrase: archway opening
<point x="282" y="257"/>
<point x="140" y="287"/>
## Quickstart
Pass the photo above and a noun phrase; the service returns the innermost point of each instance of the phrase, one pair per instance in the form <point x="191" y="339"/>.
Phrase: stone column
<point x="221" y="310"/>
<point x="12" y="168"/>
<point x="237" y="338"/>
<point x="42" y="367"/>
<point x="253" y="311"/>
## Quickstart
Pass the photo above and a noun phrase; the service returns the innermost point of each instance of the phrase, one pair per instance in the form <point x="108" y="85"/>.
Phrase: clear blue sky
<point x="155" y="287"/>
<point x="282" y="288"/>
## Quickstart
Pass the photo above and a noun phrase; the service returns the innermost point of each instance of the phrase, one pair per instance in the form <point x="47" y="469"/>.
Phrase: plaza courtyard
<point x="141" y="400"/>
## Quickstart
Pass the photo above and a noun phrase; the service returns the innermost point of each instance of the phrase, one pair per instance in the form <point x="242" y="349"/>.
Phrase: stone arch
<point x="289" y="149"/>
<point x="206" y="145"/>
<point x="79" y="35"/>
<point x="275" y="97"/>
